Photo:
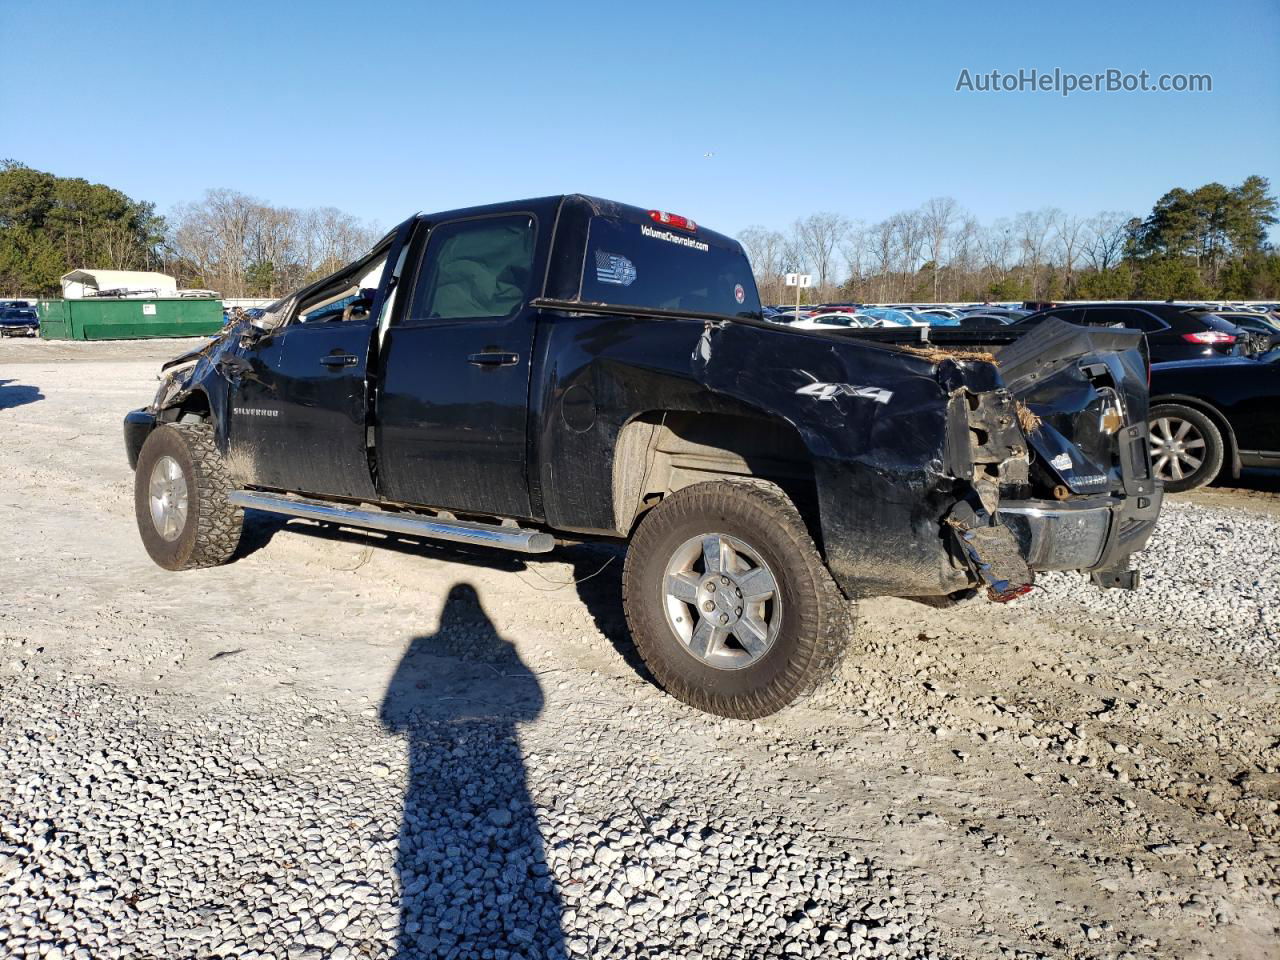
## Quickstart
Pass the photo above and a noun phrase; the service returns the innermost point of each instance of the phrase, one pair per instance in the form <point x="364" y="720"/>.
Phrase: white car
<point x="827" y="321"/>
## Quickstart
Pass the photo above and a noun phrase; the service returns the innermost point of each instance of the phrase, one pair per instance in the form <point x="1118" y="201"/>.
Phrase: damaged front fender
<point x="200" y="381"/>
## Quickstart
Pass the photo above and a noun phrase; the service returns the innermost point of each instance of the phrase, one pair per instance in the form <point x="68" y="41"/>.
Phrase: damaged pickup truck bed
<point x="569" y="368"/>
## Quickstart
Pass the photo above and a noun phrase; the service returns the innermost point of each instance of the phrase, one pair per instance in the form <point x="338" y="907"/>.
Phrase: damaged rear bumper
<point x="1092" y="533"/>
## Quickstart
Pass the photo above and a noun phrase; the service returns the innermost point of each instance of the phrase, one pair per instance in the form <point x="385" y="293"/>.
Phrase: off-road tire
<point x="1214" y="446"/>
<point x="212" y="529"/>
<point x="816" y="621"/>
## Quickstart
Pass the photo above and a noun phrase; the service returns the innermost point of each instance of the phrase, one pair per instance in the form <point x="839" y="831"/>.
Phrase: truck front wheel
<point x="728" y="601"/>
<point x="180" y="489"/>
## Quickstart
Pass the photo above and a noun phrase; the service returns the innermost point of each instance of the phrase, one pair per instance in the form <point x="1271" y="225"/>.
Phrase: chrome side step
<point x="416" y="525"/>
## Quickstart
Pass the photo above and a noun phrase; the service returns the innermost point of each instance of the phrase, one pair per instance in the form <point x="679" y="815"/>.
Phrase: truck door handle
<point x="494" y="359"/>
<point x="339" y="360"/>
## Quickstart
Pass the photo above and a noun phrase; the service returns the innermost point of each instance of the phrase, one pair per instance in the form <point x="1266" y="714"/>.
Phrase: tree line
<point x="1206" y="243"/>
<point x="226" y="241"/>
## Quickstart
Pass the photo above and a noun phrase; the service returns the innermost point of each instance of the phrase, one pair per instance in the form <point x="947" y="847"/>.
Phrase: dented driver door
<point x="297" y="418"/>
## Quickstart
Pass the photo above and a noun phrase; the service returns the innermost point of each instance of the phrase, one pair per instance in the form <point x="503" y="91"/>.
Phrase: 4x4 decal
<point x="829" y="391"/>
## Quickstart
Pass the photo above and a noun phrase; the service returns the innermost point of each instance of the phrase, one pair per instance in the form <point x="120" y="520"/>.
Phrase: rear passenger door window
<point x="475" y="269"/>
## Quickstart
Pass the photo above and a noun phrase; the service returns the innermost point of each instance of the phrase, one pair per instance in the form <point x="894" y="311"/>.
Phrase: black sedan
<point x="18" y="322"/>
<point x="1175" y="331"/>
<point x="1207" y="413"/>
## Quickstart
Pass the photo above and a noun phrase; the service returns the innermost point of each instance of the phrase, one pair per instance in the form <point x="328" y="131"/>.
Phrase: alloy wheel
<point x="722" y="601"/>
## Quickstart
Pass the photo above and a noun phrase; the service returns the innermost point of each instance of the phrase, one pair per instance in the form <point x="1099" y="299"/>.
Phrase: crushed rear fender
<point x="886" y="430"/>
<point x="917" y="450"/>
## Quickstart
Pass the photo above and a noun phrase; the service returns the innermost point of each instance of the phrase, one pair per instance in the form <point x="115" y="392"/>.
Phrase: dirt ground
<point x="1055" y="780"/>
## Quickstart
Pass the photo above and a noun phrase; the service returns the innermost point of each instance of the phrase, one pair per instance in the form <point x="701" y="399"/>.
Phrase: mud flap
<point x="992" y="552"/>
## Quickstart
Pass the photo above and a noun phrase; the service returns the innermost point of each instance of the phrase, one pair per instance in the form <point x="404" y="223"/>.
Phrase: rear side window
<point x="1127" y="317"/>
<point x="649" y="265"/>
<point x="1071" y="315"/>
<point x="1215" y="322"/>
<point x="475" y="269"/>
<point x="1256" y="324"/>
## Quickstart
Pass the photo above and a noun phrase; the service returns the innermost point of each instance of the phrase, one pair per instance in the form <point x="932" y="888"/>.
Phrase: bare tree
<point x="856" y="250"/>
<point x="908" y="240"/>
<point x="936" y="218"/>
<point x="996" y="245"/>
<point x="1107" y="233"/>
<point x="1032" y="232"/>
<point x="765" y="250"/>
<point x="1068" y="234"/>
<point x="964" y="259"/>
<point x="882" y="251"/>
<point x="818" y="236"/>
<point x="965" y="249"/>
<point x="238" y="245"/>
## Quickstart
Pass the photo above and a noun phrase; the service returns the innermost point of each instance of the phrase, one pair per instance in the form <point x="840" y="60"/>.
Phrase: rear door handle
<point x="339" y="360"/>
<point x="494" y="359"/>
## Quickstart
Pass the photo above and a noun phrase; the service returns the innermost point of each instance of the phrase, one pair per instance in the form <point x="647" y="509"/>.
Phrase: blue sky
<point x="385" y="108"/>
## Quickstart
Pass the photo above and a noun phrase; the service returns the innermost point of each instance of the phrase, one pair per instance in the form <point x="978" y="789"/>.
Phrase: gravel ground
<point x="1211" y="575"/>
<point x="347" y="746"/>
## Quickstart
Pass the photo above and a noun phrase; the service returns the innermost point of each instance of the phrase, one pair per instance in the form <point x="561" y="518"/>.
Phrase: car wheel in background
<point x="1186" y="447"/>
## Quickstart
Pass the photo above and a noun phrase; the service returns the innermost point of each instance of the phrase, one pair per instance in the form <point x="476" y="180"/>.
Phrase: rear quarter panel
<point x="878" y="466"/>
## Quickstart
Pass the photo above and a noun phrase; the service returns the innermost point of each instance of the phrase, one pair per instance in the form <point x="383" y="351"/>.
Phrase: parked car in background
<point x="18" y="322"/>
<point x="946" y="312"/>
<point x="787" y="316"/>
<point x="933" y="319"/>
<point x="1005" y="314"/>
<point x="1211" y="414"/>
<point x="1261" y="325"/>
<point x="825" y="321"/>
<point x="1175" y="331"/>
<point x="885" y="317"/>
<point x="984" y="321"/>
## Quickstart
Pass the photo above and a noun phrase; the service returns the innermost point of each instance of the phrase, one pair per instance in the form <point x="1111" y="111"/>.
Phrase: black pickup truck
<point x="569" y="368"/>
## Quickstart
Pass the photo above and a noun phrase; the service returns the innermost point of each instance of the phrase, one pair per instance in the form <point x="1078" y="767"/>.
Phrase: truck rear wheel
<point x="728" y="601"/>
<point x="180" y="489"/>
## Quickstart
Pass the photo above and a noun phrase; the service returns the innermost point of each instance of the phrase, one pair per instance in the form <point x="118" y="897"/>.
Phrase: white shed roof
<point x="77" y="280"/>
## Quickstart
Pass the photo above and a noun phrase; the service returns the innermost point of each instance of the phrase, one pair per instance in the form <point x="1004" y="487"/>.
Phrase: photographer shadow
<point x="473" y="873"/>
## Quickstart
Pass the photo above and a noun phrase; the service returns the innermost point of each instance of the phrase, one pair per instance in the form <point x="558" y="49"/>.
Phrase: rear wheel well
<point x="1232" y="457"/>
<point x="660" y="452"/>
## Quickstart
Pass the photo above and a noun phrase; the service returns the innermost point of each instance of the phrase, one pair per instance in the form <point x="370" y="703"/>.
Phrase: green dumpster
<point x="114" y="318"/>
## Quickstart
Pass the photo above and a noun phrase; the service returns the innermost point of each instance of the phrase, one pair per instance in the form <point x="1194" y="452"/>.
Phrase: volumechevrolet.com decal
<point x="675" y="238"/>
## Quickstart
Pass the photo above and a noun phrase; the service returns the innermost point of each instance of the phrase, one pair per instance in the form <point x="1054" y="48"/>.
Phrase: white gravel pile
<point x="1208" y="576"/>
<point x="127" y="831"/>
